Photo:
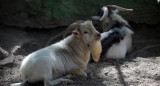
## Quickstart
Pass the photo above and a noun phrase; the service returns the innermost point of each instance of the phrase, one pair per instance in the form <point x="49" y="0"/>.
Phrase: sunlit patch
<point x="108" y="72"/>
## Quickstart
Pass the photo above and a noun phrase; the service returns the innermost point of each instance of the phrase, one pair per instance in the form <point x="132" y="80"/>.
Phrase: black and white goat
<point x="117" y="36"/>
<point x="69" y="56"/>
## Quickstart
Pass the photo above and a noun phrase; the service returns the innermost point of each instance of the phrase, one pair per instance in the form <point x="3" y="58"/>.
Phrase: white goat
<point x="69" y="56"/>
<point x="117" y="36"/>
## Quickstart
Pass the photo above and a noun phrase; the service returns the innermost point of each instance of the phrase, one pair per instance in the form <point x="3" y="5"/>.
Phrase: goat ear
<point x="76" y="34"/>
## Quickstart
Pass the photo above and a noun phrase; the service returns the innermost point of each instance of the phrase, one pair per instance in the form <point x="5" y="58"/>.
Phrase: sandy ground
<point x="140" y="68"/>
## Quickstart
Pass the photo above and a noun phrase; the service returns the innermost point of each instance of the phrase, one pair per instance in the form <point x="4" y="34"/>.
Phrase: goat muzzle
<point x="98" y="36"/>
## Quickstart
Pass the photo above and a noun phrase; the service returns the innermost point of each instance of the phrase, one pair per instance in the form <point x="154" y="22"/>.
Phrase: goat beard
<point x="96" y="50"/>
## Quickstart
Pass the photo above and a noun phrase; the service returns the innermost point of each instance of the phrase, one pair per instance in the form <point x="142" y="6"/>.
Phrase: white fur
<point x="118" y="51"/>
<point x="45" y="65"/>
<point x="106" y="34"/>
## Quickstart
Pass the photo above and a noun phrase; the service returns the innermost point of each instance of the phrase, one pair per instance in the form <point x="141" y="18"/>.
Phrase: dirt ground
<point x="140" y="68"/>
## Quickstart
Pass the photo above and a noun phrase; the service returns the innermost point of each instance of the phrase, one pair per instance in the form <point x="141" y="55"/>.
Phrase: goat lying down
<point x="69" y="56"/>
<point x="117" y="36"/>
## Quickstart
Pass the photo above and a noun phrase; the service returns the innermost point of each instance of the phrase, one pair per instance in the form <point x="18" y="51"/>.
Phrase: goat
<point x="69" y="56"/>
<point x="117" y="36"/>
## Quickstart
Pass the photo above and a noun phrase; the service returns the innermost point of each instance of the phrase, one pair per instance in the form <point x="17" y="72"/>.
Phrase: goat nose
<point x="99" y="35"/>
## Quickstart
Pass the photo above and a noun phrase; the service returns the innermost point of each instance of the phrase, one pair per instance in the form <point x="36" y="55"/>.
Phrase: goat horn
<point x="105" y="13"/>
<point x="119" y="8"/>
<point x="75" y="25"/>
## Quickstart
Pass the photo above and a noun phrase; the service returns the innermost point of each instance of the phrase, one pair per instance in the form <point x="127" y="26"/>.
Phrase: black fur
<point x="128" y="26"/>
<point x="107" y="42"/>
<point x="119" y="25"/>
<point x="113" y="37"/>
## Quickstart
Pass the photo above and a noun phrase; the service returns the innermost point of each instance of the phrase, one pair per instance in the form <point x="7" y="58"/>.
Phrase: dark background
<point x="46" y="13"/>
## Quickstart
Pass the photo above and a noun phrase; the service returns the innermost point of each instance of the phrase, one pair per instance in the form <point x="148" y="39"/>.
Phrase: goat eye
<point x="85" y="32"/>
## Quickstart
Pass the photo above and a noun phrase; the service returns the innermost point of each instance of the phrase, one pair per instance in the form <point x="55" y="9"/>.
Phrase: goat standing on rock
<point x="69" y="56"/>
<point x="117" y="41"/>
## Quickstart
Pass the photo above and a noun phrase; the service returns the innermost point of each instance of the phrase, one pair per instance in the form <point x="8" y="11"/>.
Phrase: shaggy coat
<point x="117" y="34"/>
